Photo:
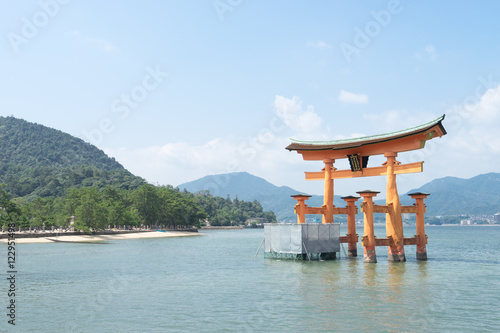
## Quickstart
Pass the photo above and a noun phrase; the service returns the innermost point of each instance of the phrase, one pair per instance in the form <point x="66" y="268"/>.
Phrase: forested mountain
<point x="39" y="161"/>
<point x="30" y="183"/>
<point x="33" y="145"/>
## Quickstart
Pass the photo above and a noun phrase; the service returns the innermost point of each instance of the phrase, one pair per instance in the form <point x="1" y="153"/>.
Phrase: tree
<point x="179" y="208"/>
<point x="224" y="212"/>
<point x="147" y="202"/>
<point x="90" y="211"/>
<point x="9" y="211"/>
<point x="119" y="207"/>
<point x="41" y="212"/>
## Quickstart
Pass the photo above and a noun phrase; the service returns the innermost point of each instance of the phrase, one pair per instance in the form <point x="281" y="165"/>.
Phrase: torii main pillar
<point x="328" y="192"/>
<point x="394" y="220"/>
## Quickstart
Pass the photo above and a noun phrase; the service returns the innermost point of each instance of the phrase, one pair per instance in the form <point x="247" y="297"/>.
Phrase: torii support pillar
<point x="300" y="207"/>
<point x="394" y="219"/>
<point x="369" y="233"/>
<point x="421" y="236"/>
<point x="352" y="247"/>
<point x="328" y="192"/>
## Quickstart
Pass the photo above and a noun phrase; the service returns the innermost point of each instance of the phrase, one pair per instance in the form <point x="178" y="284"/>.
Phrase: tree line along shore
<point x="91" y="209"/>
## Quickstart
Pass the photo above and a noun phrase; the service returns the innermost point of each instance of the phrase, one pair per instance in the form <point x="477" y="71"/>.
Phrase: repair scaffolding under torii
<point x="358" y="151"/>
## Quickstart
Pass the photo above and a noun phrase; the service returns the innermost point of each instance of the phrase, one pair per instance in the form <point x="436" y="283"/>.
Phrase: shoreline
<point x="223" y="228"/>
<point x="54" y="233"/>
<point x="101" y="238"/>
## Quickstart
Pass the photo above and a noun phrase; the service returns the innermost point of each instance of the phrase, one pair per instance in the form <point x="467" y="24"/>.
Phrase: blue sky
<point x="176" y="90"/>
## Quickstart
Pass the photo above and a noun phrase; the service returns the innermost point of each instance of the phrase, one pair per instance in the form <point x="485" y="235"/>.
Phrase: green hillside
<point x="33" y="145"/>
<point x="36" y="160"/>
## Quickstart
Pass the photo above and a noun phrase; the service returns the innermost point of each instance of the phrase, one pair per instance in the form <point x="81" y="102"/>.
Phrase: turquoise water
<point x="213" y="283"/>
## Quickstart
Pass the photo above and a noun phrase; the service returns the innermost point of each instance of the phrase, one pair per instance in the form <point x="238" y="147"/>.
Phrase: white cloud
<point x="176" y="163"/>
<point x="318" y="44"/>
<point x="428" y="53"/>
<point x="395" y="120"/>
<point x="472" y="145"/>
<point x="292" y="114"/>
<point x="487" y="108"/>
<point x="101" y="44"/>
<point x="390" y="120"/>
<point x="352" y="98"/>
<point x="474" y="125"/>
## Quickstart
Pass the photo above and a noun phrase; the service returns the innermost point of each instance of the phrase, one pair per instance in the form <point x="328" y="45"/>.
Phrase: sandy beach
<point x="99" y="238"/>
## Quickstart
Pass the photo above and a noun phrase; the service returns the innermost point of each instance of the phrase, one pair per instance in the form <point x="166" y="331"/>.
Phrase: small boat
<point x="78" y="242"/>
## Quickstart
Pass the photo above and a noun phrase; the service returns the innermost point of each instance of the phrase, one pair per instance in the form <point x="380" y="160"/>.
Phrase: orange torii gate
<point x="357" y="151"/>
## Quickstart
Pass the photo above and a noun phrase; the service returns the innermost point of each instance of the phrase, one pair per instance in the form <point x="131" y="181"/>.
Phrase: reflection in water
<point x="370" y="274"/>
<point x="370" y="295"/>
<point x="395" y="273"/>
<point x="422" y="269"/>
<point x="413" y="296"/>
<point x="353" y="264"/>
<point x="394" y="297"/>
<point x="347" y="294"/>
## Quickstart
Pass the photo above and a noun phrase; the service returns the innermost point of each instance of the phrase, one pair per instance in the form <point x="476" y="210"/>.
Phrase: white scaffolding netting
<point x="302" y="238"/>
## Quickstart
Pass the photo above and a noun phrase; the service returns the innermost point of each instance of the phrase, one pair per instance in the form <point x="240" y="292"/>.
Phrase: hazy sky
<point x="176" y="90"/>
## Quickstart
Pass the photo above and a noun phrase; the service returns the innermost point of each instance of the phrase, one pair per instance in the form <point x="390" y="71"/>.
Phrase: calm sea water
<point x="213" y="283"/>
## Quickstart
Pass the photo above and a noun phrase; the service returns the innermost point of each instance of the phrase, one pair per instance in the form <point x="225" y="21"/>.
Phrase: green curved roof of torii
<point x="356" y="142"/>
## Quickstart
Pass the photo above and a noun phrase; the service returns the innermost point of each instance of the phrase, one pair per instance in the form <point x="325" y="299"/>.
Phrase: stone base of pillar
<point x="396" y="254"/>
<point x="396" y="257"/>
<point x="422" y="249"/>
<point x="352" y="252"/>
<point x="421" y="255"/>
<point x="370" y="256"/>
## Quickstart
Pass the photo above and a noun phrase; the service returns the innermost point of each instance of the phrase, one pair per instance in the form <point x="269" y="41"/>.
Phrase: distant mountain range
<point x="455" y="196"/>
<point x="449" y="195"/>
